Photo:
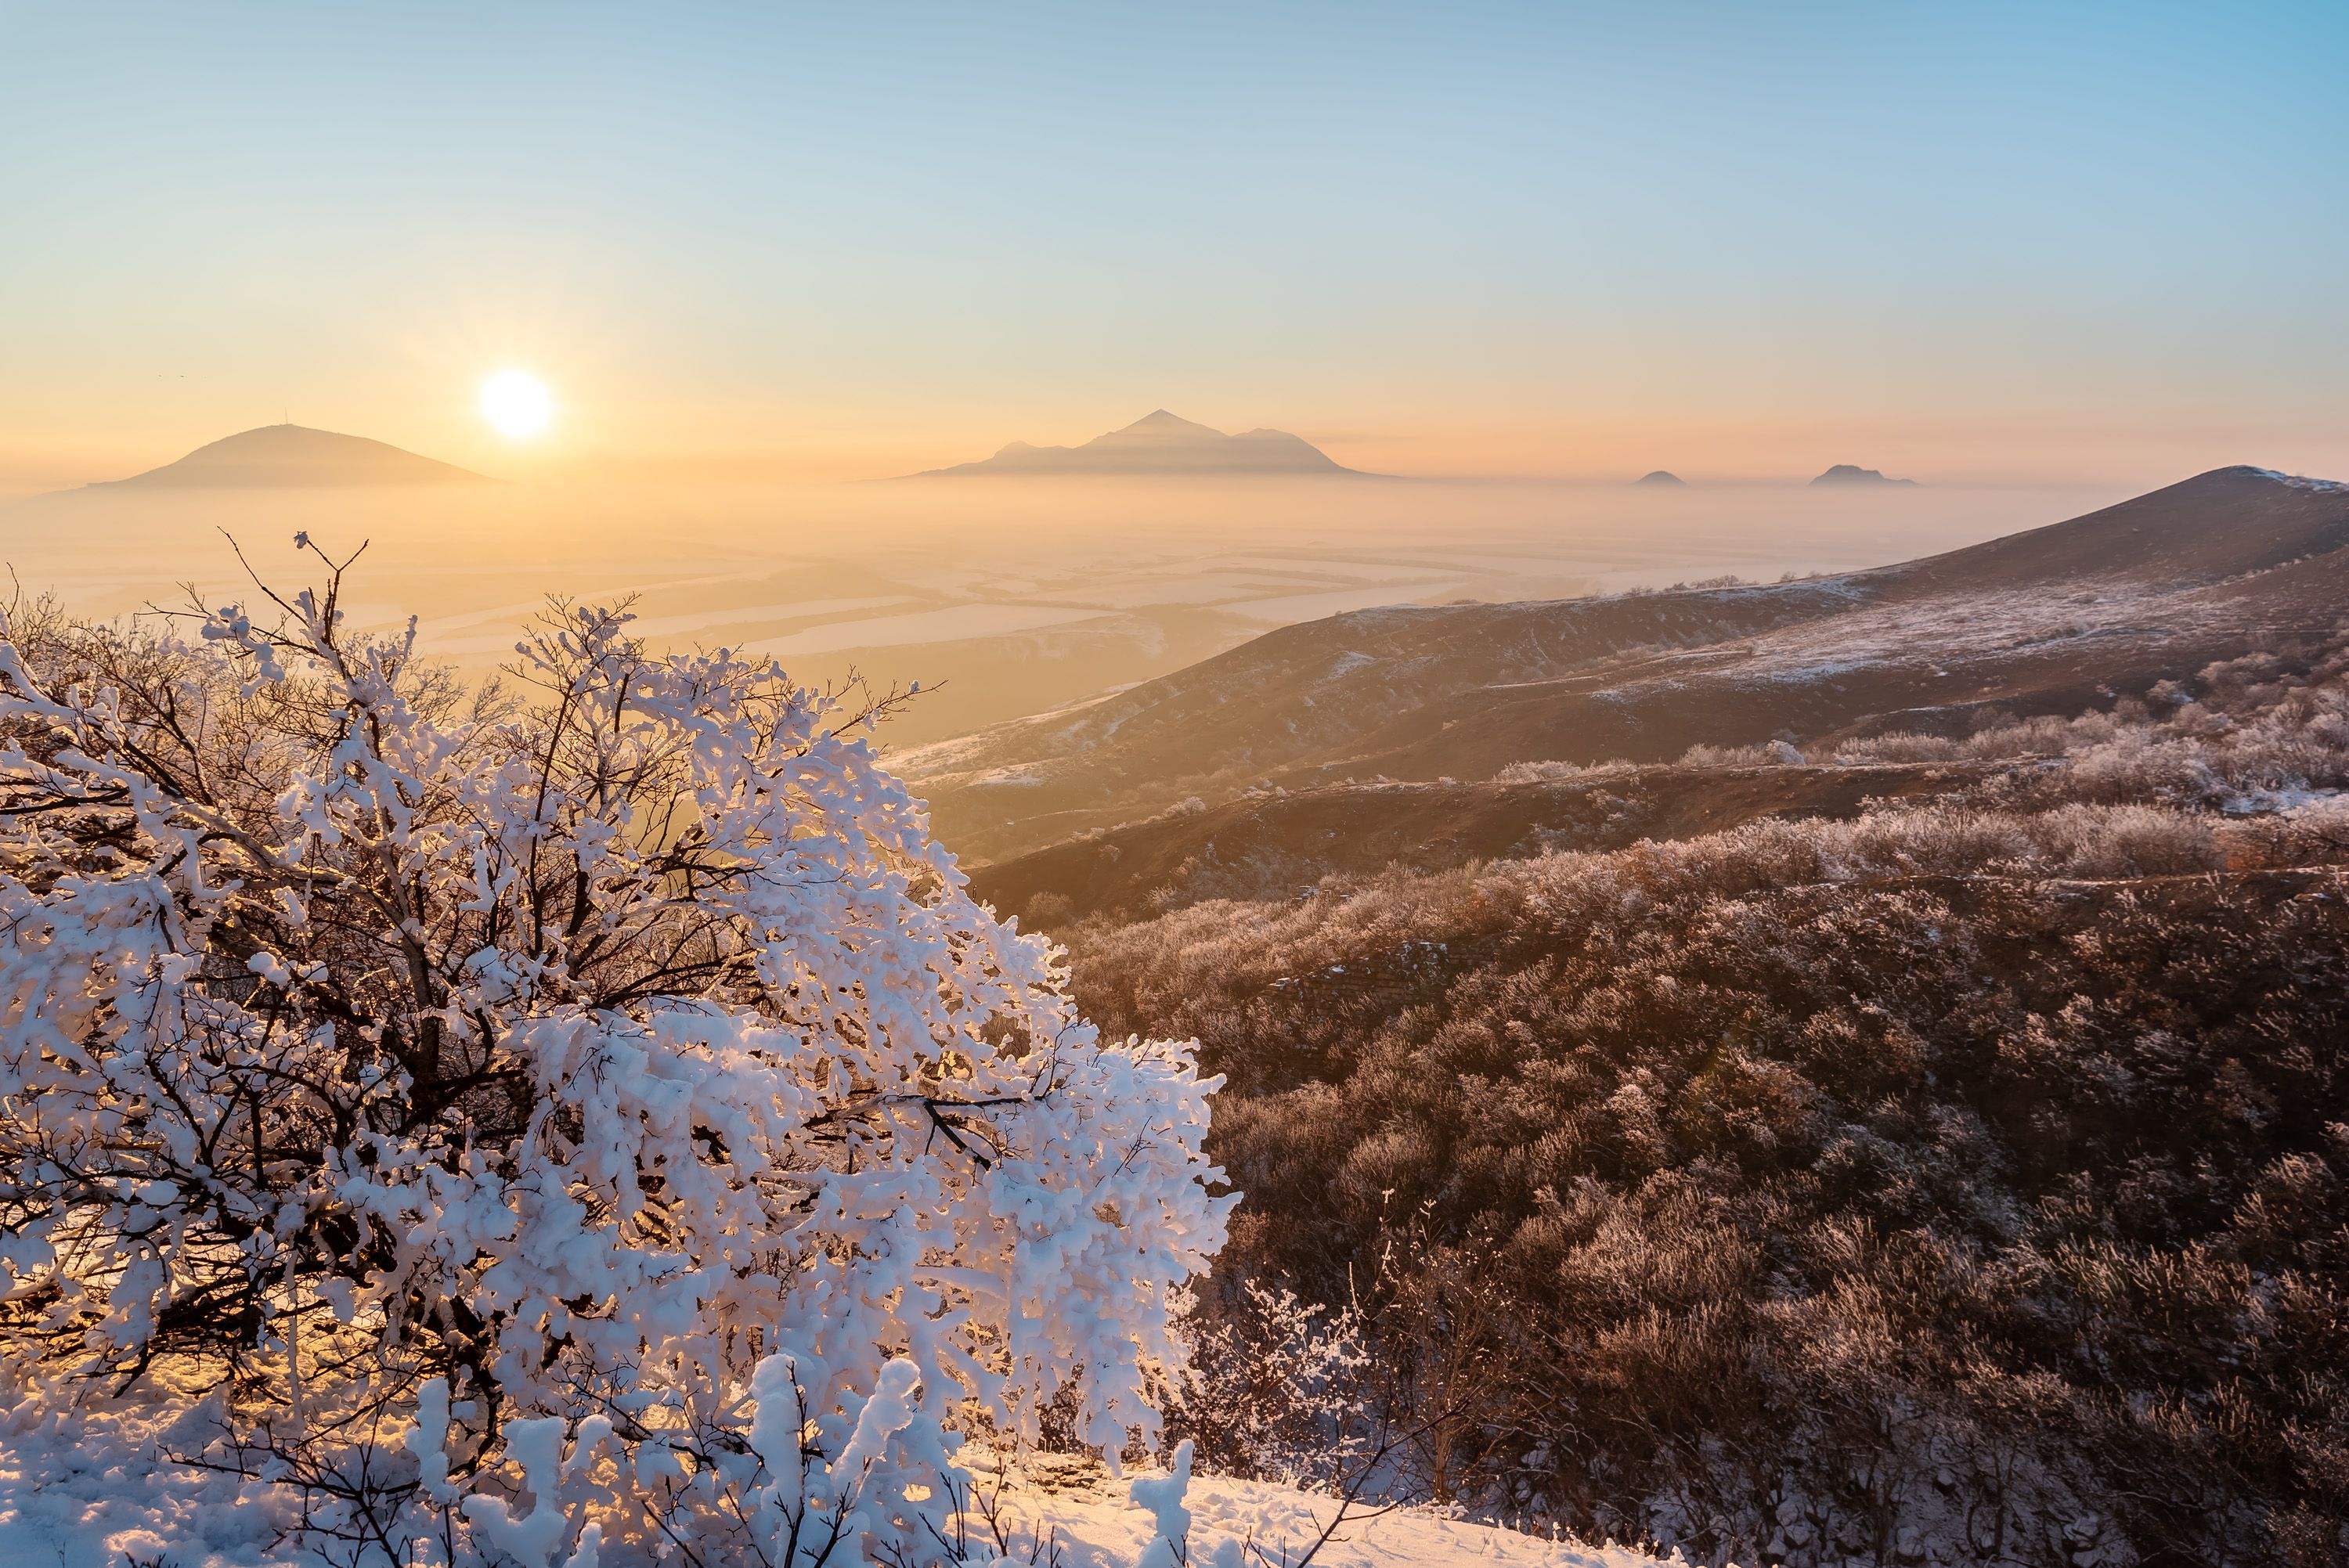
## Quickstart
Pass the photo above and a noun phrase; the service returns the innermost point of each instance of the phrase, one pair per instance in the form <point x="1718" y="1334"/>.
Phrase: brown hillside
<point x="2053" y="621"/>
<point x="1267" y="846"/>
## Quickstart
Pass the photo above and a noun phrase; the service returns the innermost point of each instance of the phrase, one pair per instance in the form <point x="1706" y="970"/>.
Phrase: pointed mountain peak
<point x="1160" y="443"/>
<point x="1158" y="422"/>
<point x="1853" y="474"/>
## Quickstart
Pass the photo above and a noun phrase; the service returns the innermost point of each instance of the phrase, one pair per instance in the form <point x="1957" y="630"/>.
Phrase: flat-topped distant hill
<point x="294" y="456"/>
<point x="1158" y="443"/>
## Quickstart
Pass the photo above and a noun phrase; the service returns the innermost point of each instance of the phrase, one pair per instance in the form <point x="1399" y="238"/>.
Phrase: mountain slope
<point x="1929" y="1146"/>
<point x="1317" y="690"/>
<point x="2053" y="620"/>
<point x="1157" y="443"/>
<point x="1274" y="846"/>
<point x="293" y="455"/>
<point x="2217" y="524"/>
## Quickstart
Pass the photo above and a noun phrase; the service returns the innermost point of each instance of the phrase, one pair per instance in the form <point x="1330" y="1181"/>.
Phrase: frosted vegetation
<point x="580" y="1120"/>
<point x="1963" y="1181"/>
<point x="585" y="1120"/>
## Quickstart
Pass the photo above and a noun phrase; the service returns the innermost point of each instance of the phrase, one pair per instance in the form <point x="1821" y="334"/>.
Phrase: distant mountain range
<point x="1851" y="474"/>
<point x="291" y="456"/>
<point x="294" y="456"/>
<point x="1158" y="443"/>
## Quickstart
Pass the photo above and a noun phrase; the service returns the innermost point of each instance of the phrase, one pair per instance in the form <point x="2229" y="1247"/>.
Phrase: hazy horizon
<point x="706" y="291"/>
<point x="972" y="470"/>
<point x="1998" y="245"/>
<point x="1019" y="594"/>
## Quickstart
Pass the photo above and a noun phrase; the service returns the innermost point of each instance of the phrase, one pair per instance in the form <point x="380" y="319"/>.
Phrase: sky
<point x="1974" y="243"/>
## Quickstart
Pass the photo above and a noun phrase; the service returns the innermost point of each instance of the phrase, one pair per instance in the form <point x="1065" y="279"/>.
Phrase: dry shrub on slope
<point x="1965" y="1180"/>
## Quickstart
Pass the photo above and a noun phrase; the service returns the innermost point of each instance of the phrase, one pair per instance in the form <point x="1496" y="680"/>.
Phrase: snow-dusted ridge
<point x="2301" y="481"/>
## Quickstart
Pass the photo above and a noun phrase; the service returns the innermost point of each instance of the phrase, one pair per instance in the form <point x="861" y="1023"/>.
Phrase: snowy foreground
<point x="76" y="1504"/>
<point x="1100" y="1528"/>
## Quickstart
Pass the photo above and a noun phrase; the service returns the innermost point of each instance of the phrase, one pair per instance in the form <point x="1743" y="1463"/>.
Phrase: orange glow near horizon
<point x="784" y="246"/>
<point x="728" y="444"/>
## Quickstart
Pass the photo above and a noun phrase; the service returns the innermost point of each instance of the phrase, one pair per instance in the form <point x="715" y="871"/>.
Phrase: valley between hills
<point x="2052" y="621"/>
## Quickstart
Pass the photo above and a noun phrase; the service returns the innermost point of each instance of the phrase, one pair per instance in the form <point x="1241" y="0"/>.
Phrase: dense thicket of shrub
<point x="1965" y="1182"/>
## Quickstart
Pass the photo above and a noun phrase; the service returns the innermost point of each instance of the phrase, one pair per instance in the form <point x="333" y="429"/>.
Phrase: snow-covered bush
<point x="568" y="1122"/>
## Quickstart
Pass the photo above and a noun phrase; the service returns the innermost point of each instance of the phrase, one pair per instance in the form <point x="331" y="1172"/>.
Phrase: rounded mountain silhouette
<point x="1662" y="478"/>
<point x="1158" y="443"/>
<point x="296" y="455"/>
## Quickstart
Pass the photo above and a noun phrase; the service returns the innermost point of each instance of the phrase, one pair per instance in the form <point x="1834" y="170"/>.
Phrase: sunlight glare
<point x="517" y="403"/>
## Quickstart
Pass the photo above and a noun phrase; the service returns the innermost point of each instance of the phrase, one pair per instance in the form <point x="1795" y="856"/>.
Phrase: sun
<point x="517" y="403"/>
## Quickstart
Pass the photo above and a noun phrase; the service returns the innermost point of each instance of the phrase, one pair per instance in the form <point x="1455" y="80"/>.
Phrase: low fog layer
<point x="999" y="596"/>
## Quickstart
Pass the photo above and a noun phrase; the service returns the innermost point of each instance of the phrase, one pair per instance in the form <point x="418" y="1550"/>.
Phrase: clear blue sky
<point x="1968" y="240"/>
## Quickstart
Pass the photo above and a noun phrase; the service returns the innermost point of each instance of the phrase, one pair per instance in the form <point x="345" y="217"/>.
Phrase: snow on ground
<point x="81" y="1490"/>
<point x="76" y="1494"/>
<point x="2299" y="803"/>
<point x="1099" y="1527"/>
